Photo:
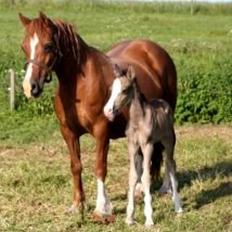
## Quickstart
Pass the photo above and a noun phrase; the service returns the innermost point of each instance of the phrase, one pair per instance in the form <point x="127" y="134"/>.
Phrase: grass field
<point x="35" y="183"/>
<point x="35" y="186"/>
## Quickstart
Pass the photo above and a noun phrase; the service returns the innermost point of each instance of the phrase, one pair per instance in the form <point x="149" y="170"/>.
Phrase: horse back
<point x="155" y="70"/>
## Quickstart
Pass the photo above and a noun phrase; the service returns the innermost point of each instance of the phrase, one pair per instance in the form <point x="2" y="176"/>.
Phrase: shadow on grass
<point x="222" y="169"/>
<point x="205" y="173"/>
<point x="208" y="196"/>
<point x="187" y="177"/>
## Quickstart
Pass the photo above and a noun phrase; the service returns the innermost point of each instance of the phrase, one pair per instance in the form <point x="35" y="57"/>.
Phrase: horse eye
<point x="48" y="47"/>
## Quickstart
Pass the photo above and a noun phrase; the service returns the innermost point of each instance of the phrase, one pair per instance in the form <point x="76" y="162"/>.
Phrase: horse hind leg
<point x="171" y="171"/>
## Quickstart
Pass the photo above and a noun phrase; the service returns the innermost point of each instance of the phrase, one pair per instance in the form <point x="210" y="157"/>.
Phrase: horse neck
<point x="136" y="108"/>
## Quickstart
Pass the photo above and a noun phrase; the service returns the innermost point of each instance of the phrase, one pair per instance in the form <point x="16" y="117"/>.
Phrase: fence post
<point x="12" y="89"/>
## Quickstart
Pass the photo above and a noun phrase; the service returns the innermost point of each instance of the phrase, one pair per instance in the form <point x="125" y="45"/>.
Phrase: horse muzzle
<point x="36" y="88"/>
<point x="110" y="114"/>
<point x="33" y="88"/>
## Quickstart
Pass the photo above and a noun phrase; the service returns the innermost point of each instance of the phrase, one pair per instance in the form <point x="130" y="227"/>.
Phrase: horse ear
<point x="117" y="71"/>
<point x="131" y="72"/>
<point x="24" y="20"/>
<point x="43" y="16"/>
<point x="47" y="20"/>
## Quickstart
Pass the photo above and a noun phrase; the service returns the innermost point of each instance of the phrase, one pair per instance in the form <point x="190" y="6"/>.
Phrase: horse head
<point x="41" y="48"/>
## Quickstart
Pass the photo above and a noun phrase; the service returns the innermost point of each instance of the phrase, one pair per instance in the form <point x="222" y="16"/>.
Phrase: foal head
<point x="122" y="92"/>
<point x="40" y="46"/>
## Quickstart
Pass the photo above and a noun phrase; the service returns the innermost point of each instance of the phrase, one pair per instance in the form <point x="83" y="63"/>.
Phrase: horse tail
<point x="156" y="160"/>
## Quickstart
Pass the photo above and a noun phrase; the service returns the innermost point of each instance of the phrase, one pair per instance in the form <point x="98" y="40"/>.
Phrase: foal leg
<point x="146" y="182"/>
<point x="166" y="186"/>
<point x="76" y="168"/>
<point x="103" y="205"/>
<point x="171" y="169"/>
<point x="139" y="170"/>
<point x="133" y="178"/>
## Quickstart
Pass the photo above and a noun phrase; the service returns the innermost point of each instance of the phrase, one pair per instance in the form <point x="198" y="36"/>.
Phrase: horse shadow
<point x="187" y="177"/>
<point x="208" y="196"/>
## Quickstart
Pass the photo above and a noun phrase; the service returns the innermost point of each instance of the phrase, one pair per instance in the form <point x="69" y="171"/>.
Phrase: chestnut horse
<point x="85" y="75"/>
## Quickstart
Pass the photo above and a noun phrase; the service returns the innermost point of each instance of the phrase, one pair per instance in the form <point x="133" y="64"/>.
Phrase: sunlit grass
<point x="35" y="187"/>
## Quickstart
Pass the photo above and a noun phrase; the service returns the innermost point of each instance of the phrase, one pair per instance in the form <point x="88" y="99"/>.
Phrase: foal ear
<point x="117" y="71"/>
<point x="24" y="20"/>
<point x="131" y="72"/>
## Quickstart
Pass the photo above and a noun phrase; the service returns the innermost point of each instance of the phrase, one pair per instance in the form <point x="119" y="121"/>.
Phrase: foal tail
<point x="156" y="161"/>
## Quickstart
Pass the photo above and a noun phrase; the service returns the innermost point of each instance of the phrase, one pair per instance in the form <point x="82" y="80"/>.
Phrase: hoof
<point x="179" y="210"/>
<point x="165" y="190"/>
<point x="130" y="221"/>
<point x="73" y="209"/>
<point x="76" y="209"/>
<point x="103" y="218"/>
<point x="149" y="223"/>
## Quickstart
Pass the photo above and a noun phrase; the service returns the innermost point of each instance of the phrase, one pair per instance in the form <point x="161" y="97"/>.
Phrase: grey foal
<point x="148" y="124"/>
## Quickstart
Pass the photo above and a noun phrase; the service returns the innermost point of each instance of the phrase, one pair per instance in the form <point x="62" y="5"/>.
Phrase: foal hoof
<point x="103" y="218"/>
<point x="165" y="190"/>
<point x="179" y="210"/>
<point x="130" y="221"/>
<point x="149" y="224"/>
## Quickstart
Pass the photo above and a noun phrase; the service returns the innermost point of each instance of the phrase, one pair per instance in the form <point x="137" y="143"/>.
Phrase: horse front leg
<point x="147" y="150"/>
<point x="103" y="209"/>
<point x="73" y="144"/>
<point x="133" y="179"/>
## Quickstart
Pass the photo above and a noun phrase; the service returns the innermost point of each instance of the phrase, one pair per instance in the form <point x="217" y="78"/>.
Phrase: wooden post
<point x="12" y="89"/>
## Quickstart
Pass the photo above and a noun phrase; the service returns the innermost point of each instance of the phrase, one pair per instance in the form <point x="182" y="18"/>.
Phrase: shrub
<point x="205" y="93"/>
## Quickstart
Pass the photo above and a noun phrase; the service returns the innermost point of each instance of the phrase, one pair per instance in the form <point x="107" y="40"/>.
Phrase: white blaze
<point x="26" y="83"/>
<point x="116" y="90"/>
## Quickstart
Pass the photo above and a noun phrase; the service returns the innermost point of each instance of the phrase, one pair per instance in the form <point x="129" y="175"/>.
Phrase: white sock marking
<point x="103" y="205"/>
<point x="175" y="195"/>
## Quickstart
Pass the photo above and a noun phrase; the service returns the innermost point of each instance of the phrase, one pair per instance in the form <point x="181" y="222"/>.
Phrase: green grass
<point x="200" y="45"/>
<point x="35" y="187"/>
